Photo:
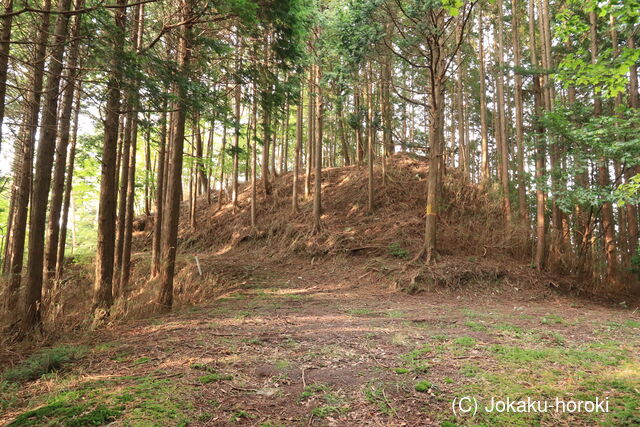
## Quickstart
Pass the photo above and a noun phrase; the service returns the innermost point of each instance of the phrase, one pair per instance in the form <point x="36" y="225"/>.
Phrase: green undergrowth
<point x="44" y="361"/>
<point x="140" y="401"/>
<point x="538" y="363"/>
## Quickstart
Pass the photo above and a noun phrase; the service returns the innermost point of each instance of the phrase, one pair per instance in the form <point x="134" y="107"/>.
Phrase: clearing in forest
<point x="329" y="342"/>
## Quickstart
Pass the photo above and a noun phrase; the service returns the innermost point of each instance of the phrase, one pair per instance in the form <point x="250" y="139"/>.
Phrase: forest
<point x="359" y="211"/>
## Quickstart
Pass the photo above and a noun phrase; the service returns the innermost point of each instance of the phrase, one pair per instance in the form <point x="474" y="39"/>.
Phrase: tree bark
<point x="236" y="138"/>
<point x="67" y="188"/>
<point x="502" y="125"/>
<point x="172" y="207"/>
<point x="42" y="179"/>
<point x="254" y="155"/>
<point x="125" y="157"/>
<point x="608" y="224"/>
<point x="540" y="155"/>
<point x="311" y="137"/>
<point x="157" y="223"/>
<point x="370" y="140"/>
<point x="222" y="157"/>
<point x="632" y="210"/>
<point x="102" y="292"/>
<point x="57" y="186"/>
<point x="483" y="106"/>
<point x="24" y="171"/>
<point x="436" y="107"/>
<point x="317" y="195"/>
<point x="359" y="143"/>
<point x="519" y="113"/>
<point x="296" y="164"/>
<point x="5" y="48"/>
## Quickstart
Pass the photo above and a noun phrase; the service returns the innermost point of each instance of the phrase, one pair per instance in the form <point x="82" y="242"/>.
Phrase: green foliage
<point x="375" y="394"/>
<point x="212" y="375"/>
<point x="552" y="319"/>
<point x="629" y="192"/>
<point x="239" y="415"/>
<point x="465" y="342"/>
<point x="44" y="361"/>
<point x="311" y="390"/>
<point x="588" y="139"/>
<point x="417" y="359"/>
<point x="608" y="74"/>
<point x="73" y="415"/>
<point x="397" y="251"/>
<point x="423" y="386"/>
<point x="8" y="395"/>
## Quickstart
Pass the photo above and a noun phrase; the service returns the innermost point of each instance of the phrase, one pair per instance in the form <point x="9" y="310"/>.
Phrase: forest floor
<point x="313" y="342"/>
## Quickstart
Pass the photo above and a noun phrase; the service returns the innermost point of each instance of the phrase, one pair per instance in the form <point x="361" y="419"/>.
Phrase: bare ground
<point x="330" y="341"/>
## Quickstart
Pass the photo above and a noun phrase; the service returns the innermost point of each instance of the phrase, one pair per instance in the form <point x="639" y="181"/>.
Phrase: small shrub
<point x="395" y="250"/>
<point x="213" y="377"/>
<point x="239" y="415"/>
<point x="423" y="386"/>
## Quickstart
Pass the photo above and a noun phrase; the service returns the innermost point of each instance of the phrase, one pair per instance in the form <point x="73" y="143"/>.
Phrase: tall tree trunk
<point x="296" y="164"/>
<point x="125" y="263"/>
<point x="160" y="184"/>
<point x="463" y="158"/>
<point x="125" y="221"/>
<point x="148" y="172"/>
<point x="540" y="154"/>
<point x="317" y="195"/>
<point x="343" y="135"/>
<point x="102" y="293"/>
<point x="608" y="224"/>
<point x="483" y="105"/>
<point x="549" y="99"/>
<point x="502" y="129"/>
<point x="285" y="140"/>
<point x="57" y="186"/>
<point x="370" y="139"/>
<point x="236" y="140"/>
<point x="42" y="179"/>
<point x="436" y="135"/>
<point x="68" y="185"/>
<point x="172" y="207"/>
<point x="311" y="136"/>
<point x="359" y="143"/>
<point x="209" y="179"/>
<point x="5" y="48"/>
<point x="24" y="171"/>
<point x="632" y="210"/>
<point x="193" y="176"/>
<point x="254" y="155"/>
<point x="387" y="115"/>
<point x="519" y="113"/>
<point x="267" y="132"/>
<point x="201" y="169"/>
<point x="125" y="157"/>
<point x="222" y="157"/>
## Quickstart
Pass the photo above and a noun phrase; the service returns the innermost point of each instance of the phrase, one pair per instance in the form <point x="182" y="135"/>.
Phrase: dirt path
<point x="331" y="344"/>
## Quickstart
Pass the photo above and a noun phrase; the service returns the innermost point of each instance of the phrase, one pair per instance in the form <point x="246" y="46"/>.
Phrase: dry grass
<point x="471" y="221"/>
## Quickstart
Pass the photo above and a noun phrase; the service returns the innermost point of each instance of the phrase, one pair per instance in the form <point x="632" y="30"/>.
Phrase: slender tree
<point x="172" y="205"/>
<point x="102" y="292"/>
<point x="43" y="167"/>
